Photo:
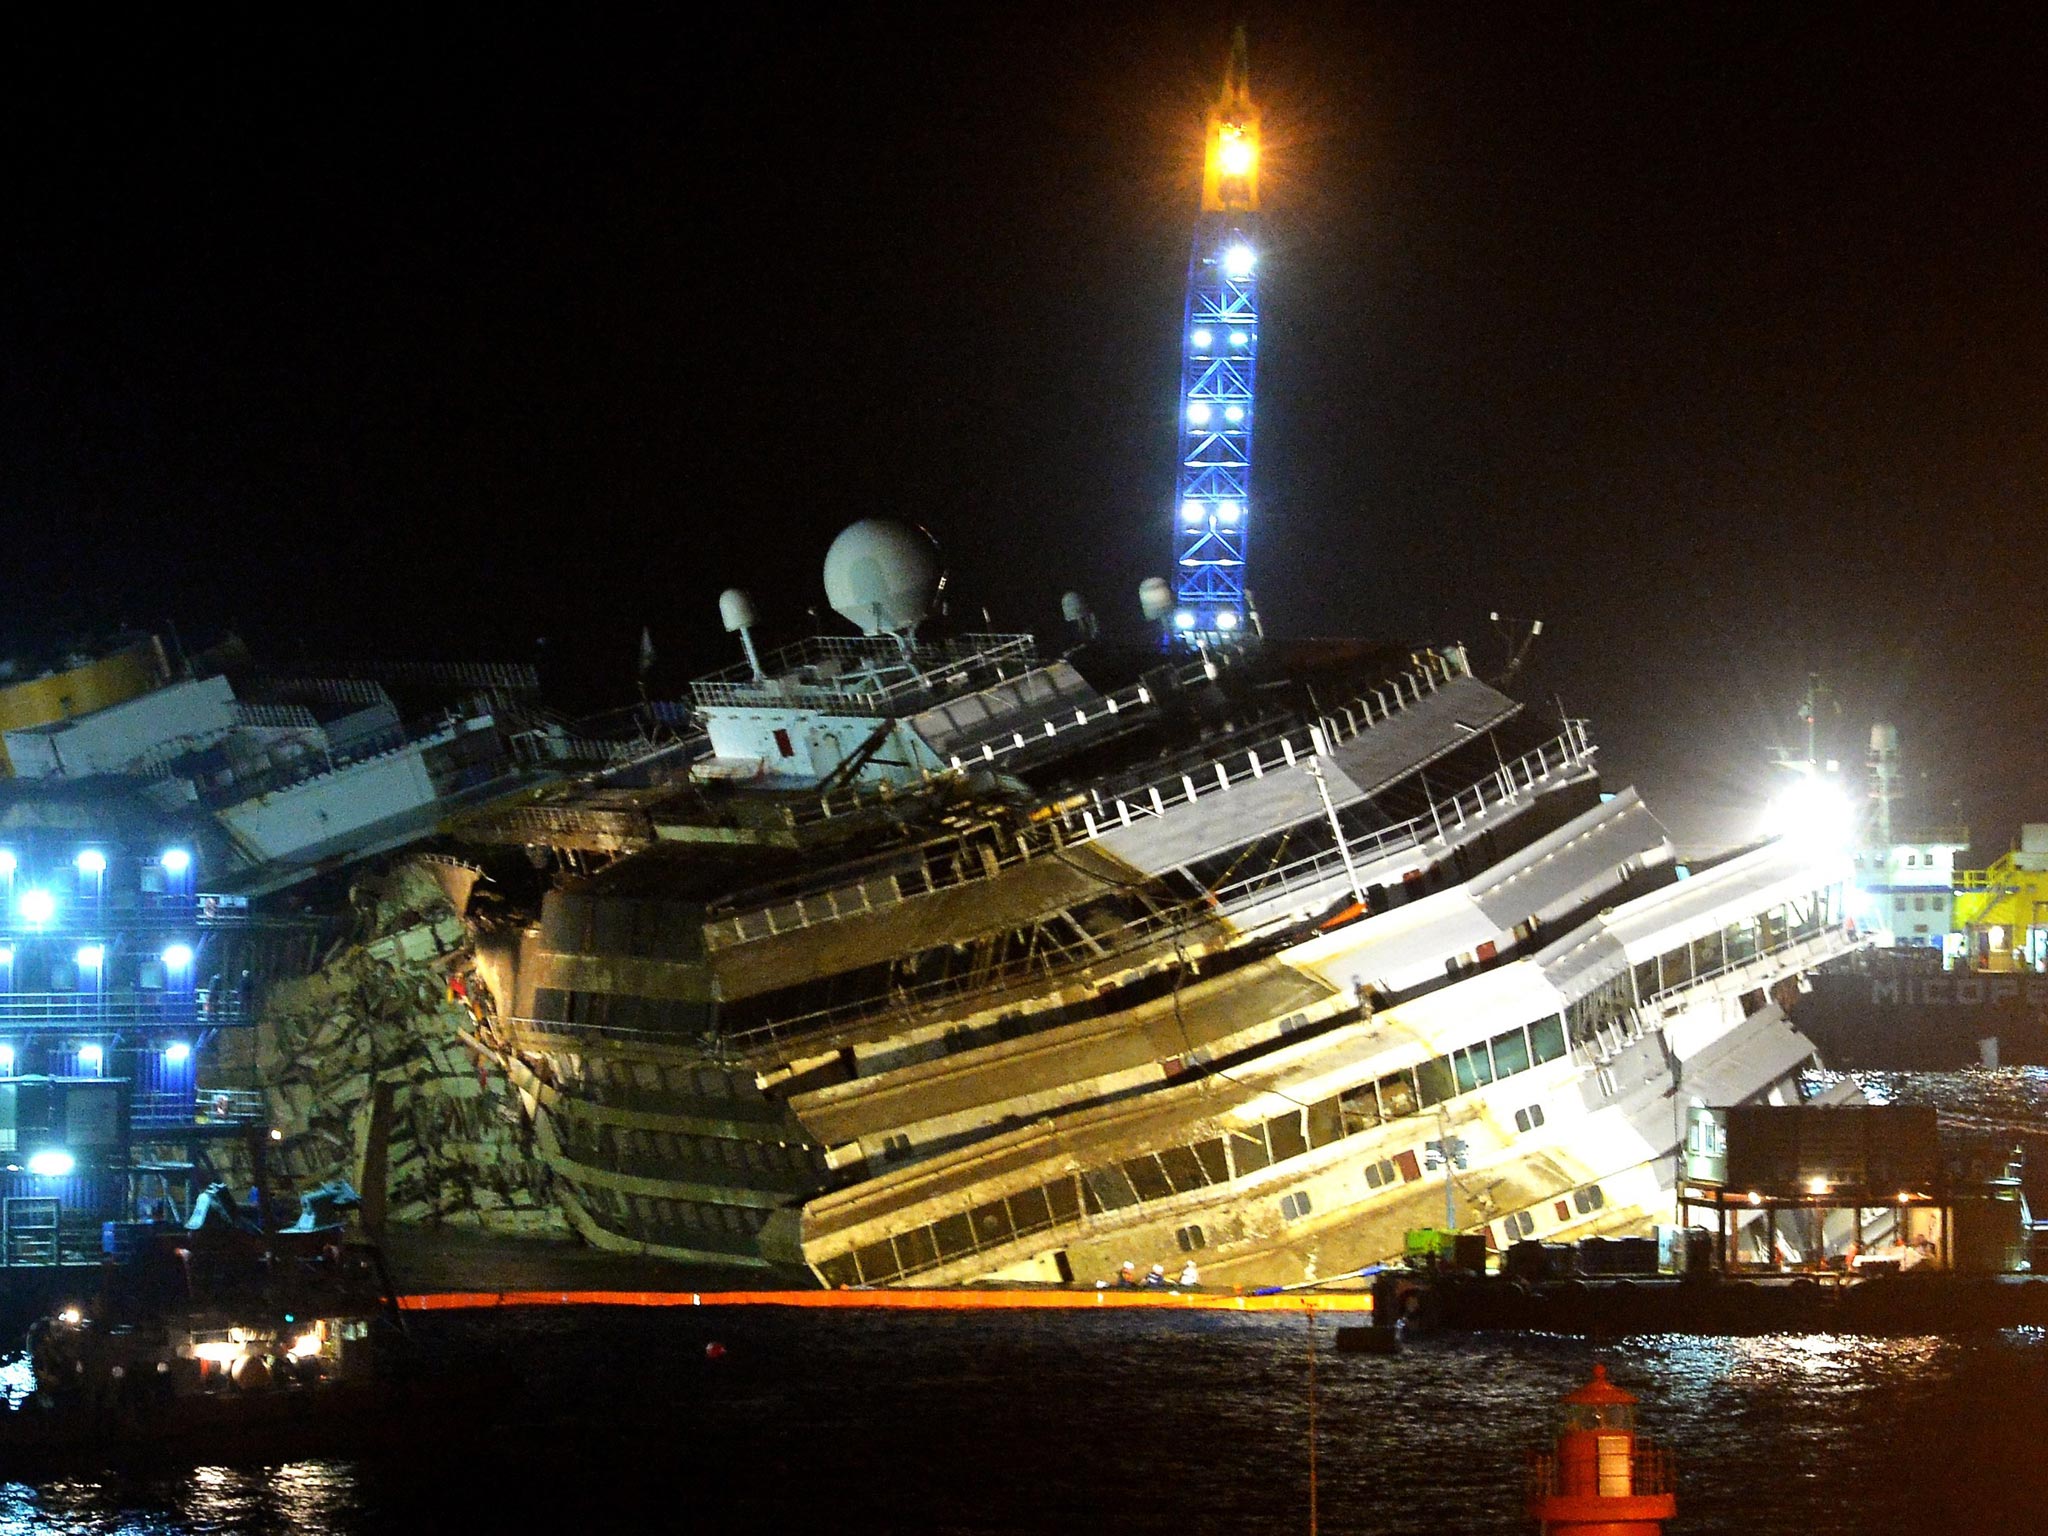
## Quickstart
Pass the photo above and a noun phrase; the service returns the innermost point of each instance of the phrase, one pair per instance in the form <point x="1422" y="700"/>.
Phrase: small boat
<point x="217" y="1343"/>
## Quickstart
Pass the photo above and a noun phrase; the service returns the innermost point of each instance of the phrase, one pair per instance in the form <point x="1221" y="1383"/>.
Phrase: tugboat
<point x="219" y="1340"/>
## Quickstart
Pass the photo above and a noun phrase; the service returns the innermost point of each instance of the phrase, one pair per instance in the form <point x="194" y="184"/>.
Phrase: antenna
<point x="1517" y="648"/>
<point x="736" y="611"/>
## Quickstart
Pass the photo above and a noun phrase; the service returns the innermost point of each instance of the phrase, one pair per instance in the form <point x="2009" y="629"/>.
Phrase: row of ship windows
<point x="1738" y="943"/>
<point x="621" y="1146"/>
<point x="1179" y="1170"/>
<point x="1521" y="1224"/>
<point x="680" y="1223"/>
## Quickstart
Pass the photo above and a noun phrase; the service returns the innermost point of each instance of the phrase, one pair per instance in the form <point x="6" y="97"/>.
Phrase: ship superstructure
<point x="955" y="959"/>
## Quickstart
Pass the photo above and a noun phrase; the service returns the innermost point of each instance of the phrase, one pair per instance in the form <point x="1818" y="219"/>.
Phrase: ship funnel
<point x="736" y="609"/>
<point x="881" y="575"/>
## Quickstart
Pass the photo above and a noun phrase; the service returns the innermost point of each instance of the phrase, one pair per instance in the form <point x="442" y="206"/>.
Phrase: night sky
<point x="1714" y="336"/>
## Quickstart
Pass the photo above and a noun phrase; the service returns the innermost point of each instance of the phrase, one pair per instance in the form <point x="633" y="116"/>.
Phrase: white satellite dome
<point x="882" y="575"/>
<point x="736" y="610"/>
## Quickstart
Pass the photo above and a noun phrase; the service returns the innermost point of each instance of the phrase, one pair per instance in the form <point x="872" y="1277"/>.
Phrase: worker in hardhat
<point x="1155" y="1278"/>
<point x="1190" y="1277"/>
<point x="1127" y="1277"/>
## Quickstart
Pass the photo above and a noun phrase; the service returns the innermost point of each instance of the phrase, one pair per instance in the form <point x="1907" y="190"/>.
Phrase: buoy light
<point x="51" y="1163"/>
<point x="91" y="861"/>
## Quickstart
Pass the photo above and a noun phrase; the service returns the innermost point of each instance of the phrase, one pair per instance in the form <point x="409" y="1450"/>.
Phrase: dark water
<point x="1130" y="1422"/>
<point x="1126" y="1422"/>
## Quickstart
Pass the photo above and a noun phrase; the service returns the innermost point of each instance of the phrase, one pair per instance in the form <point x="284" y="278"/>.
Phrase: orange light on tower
<point x="1230" y="168"/>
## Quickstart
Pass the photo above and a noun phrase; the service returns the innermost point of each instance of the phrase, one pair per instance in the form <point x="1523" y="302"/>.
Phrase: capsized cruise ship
<point x="948" y="956"/>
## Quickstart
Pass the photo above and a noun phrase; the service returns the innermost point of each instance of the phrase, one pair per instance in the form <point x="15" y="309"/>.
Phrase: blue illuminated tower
<point x="1219" y="350"/>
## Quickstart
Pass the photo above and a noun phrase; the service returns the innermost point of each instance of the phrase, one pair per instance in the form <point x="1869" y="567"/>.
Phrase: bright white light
<point x="177" y="956"/>
<point x="6" y="954"/>
<point x="1235" y="154"/>
<point x="1240" y="338"/>
<point x="53" y="1163"/>
<point x="1226" y="620"/>
<point x="1239" y="260"/>
<point x="1201" y="339"/>
<point x="91" y="1057"/>
<point x="37" y="906"/>
<point x="1191" y="511"/>
<point x="71" y="1316"/>
<point x="177" y="1053"/>
<point x="305" y="1344"/>
<point x="1226" y="511"/>
<point x="1816" y="1186"/>
<point x="218" y="1352"/>
<point x="1814" y="811"/>
<point x="90" y="956"/>
<point x="1198" y="412"/>
<point x="6" y="1060"/>
<point x="92" y="862"/>
<point x="6" y="863"/>
<point x="1233" y="413"/>
<point x="1184" y="620"/>
<point x="175" y="861"/>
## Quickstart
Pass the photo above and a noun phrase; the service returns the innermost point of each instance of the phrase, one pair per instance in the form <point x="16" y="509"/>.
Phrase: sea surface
<point x="1133" y="1421"/>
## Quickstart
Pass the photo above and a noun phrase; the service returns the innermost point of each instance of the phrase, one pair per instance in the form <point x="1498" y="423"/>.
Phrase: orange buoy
<point x="1601" y="1479"/>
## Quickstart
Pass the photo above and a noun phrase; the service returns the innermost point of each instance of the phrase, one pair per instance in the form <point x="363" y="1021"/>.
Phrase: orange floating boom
<point x="895" y="1300"/>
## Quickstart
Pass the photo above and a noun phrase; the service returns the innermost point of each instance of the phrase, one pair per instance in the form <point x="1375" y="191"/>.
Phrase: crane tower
<point x="1219" y="350"/>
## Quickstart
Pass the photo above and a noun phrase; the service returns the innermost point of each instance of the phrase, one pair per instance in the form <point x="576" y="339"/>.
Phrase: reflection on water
<point x="1125" y="1422"/>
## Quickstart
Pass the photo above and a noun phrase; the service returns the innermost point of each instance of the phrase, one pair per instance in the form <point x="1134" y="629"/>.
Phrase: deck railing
<point x="1564" y="754"/>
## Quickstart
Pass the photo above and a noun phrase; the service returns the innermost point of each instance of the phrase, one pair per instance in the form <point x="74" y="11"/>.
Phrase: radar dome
<point x="736" y="609"/>
<point x="1155" y="597"/>
<point x="881" y="575"/>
